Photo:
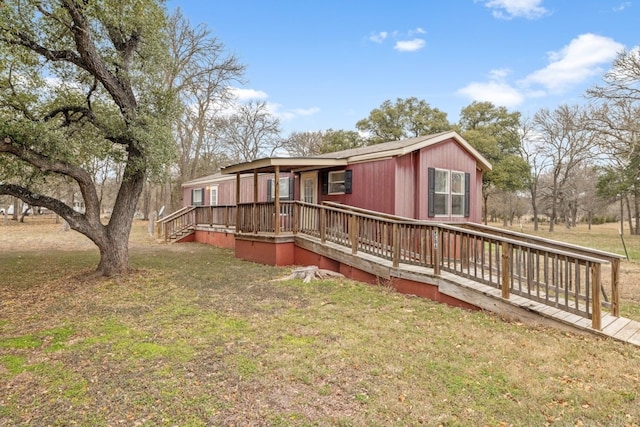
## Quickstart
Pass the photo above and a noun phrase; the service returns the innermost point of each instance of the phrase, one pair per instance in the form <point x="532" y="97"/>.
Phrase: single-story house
<point x="435" y="177"/>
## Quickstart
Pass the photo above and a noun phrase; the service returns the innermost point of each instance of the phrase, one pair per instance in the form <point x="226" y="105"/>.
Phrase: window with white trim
<point x="197" y="196"/>
<point x="213" y="195"/>
<point x="448" y="193"/>
<point x="457" y="193"/>
<point x="286" y="189"/>
<point x="337" y="182"/>
<point x="441" y="197"/>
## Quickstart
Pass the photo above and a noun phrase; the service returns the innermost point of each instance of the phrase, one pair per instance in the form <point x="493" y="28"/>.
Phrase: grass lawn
<point x="196" y="337"/>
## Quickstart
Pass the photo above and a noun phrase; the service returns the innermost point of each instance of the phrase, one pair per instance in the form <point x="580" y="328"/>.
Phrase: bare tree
<point x="201" y="73"/>
<point x="302" y="144"/>
<point x="531" y="152"/>
<point x="566" y="144"/>
<point x="250" y="133"/>
<point x="616" y="117"/>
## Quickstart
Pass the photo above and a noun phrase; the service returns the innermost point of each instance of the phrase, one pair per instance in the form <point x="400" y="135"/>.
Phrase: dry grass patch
<point x="196" y="337"/>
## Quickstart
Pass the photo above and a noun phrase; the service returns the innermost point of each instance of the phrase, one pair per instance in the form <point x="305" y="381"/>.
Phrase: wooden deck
<point x="534" y="280"/>
<point x="481" y="295"/>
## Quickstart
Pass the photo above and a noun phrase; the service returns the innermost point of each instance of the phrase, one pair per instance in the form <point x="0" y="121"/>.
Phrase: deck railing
<point x="176" y="223"/>
<point x="563" y="276"/>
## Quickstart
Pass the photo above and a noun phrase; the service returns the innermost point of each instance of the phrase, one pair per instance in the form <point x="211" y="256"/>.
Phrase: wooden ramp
<point x="480" y="295"/>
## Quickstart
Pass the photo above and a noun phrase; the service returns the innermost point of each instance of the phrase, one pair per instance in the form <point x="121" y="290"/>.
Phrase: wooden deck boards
<point x="617" y="328"/>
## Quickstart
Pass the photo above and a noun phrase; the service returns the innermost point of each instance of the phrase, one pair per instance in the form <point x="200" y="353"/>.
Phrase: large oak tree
<point x="79" y="82"/>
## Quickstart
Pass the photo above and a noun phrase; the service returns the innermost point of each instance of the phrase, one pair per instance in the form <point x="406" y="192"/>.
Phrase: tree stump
<point x="310" y="273"/>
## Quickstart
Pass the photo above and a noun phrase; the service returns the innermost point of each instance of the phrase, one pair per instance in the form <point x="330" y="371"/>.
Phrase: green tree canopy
<point x="494" y="132"/>
<point x="338" y="140"/>
<point x="79" y="84"/>
<point x="406" y="118"/>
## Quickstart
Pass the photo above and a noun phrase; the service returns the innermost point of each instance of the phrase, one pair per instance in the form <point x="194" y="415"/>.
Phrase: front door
<point x="308" y="194"/>
<point x="309" y="187"/>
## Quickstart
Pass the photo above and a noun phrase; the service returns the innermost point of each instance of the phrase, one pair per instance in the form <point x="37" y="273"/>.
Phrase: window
<point x="441" y="199"/>
<point x="337" y="182"/>
<point x="457" y="193"/>
<point x="197" y="196"/>
<point x="286" y="189"/>
<point x="448" y="193"/>
<point x="213" y="195"/>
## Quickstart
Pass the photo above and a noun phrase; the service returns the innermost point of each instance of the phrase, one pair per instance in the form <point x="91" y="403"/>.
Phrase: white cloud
<point x="497" y="92"/>
<point x="584" y="57"/>
<point x="622" y="6"/>
<point x="286" y="115"/>
<point x="409" y="45"/>
<point x="581" y="59"/>
<point x="248" y="94"/>
<point x="508" y="9"/>
<point x="379" y="37"/>
<point x="412" y="45"/>
<point x="416" y="31"/>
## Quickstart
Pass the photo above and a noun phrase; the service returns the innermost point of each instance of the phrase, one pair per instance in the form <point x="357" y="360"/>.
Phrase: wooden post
<point x="464" y="256"/>
<point x="254" y="216"/>
<point x="276" y="198"/>
<point x="437" y="254"/>
<point x="323" y="224"/>
<point x="506" y="269"/>
<point x="596" y="308"/>
<point x="296" y="217"/>
<point x="238" y="228"/>
<point x="396" y="245"/>
<point x="353" y="232"/>
<point x="615" y="282"/>
<point x="423" y="245"/>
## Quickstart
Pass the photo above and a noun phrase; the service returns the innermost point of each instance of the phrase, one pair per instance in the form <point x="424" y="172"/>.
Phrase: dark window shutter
<point x="291" y="181"/>
<point x="193" y="190"/>
<point x="348" y="181"/>
<point x="431" y="185"/>
<point x="324" y="177"/>
<point x="467" y="194"/>
<point x="269" y="190"/>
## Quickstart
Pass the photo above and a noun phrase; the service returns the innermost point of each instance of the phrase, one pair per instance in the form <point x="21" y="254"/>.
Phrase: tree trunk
<point x="114" y="256"/>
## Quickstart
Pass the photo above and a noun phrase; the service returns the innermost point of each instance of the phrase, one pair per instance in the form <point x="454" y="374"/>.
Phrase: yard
<point x="196" y="337"/>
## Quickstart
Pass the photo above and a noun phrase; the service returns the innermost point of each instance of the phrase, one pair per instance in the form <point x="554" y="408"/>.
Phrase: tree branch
<point x="46" y="164"/>
<point x="76" y="220"/>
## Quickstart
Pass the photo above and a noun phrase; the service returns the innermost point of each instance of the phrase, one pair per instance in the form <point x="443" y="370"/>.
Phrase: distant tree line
<point x="106" y="108"/>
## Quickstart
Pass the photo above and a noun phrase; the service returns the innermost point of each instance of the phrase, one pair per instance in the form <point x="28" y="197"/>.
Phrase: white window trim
<point x="461" y="194"/>
<point x="331" y="182"/>
<point x="212" y="190"/>
<point x="447" y="193"/>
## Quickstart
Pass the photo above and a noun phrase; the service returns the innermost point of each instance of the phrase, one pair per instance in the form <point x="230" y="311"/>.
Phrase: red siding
<point x="227" y="189"/>
<point x="449" y="155"/>
<point x="373" y="187"/>
<point x="405" y="194"/>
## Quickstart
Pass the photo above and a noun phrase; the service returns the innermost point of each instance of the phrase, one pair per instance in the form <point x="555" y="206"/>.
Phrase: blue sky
<point x="327" y="63"/>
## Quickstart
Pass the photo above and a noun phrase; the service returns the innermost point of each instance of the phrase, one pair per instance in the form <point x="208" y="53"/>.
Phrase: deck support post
<point x="615" y="281"/>
<point x="396" y="245"/>
<point x="276" y="199"/>
<point x="596" y="308"/>
<point x="437" y="251"/>
<point x="505" y="269"/>
<point x="323" y="224"/>
<point x="238" y="215"/>
<point x="353" y="231"/>
<point x="255" y="202"/>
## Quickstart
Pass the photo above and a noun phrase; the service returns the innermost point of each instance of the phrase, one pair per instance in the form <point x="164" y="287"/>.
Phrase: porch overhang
<point x="283" y="164"/>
